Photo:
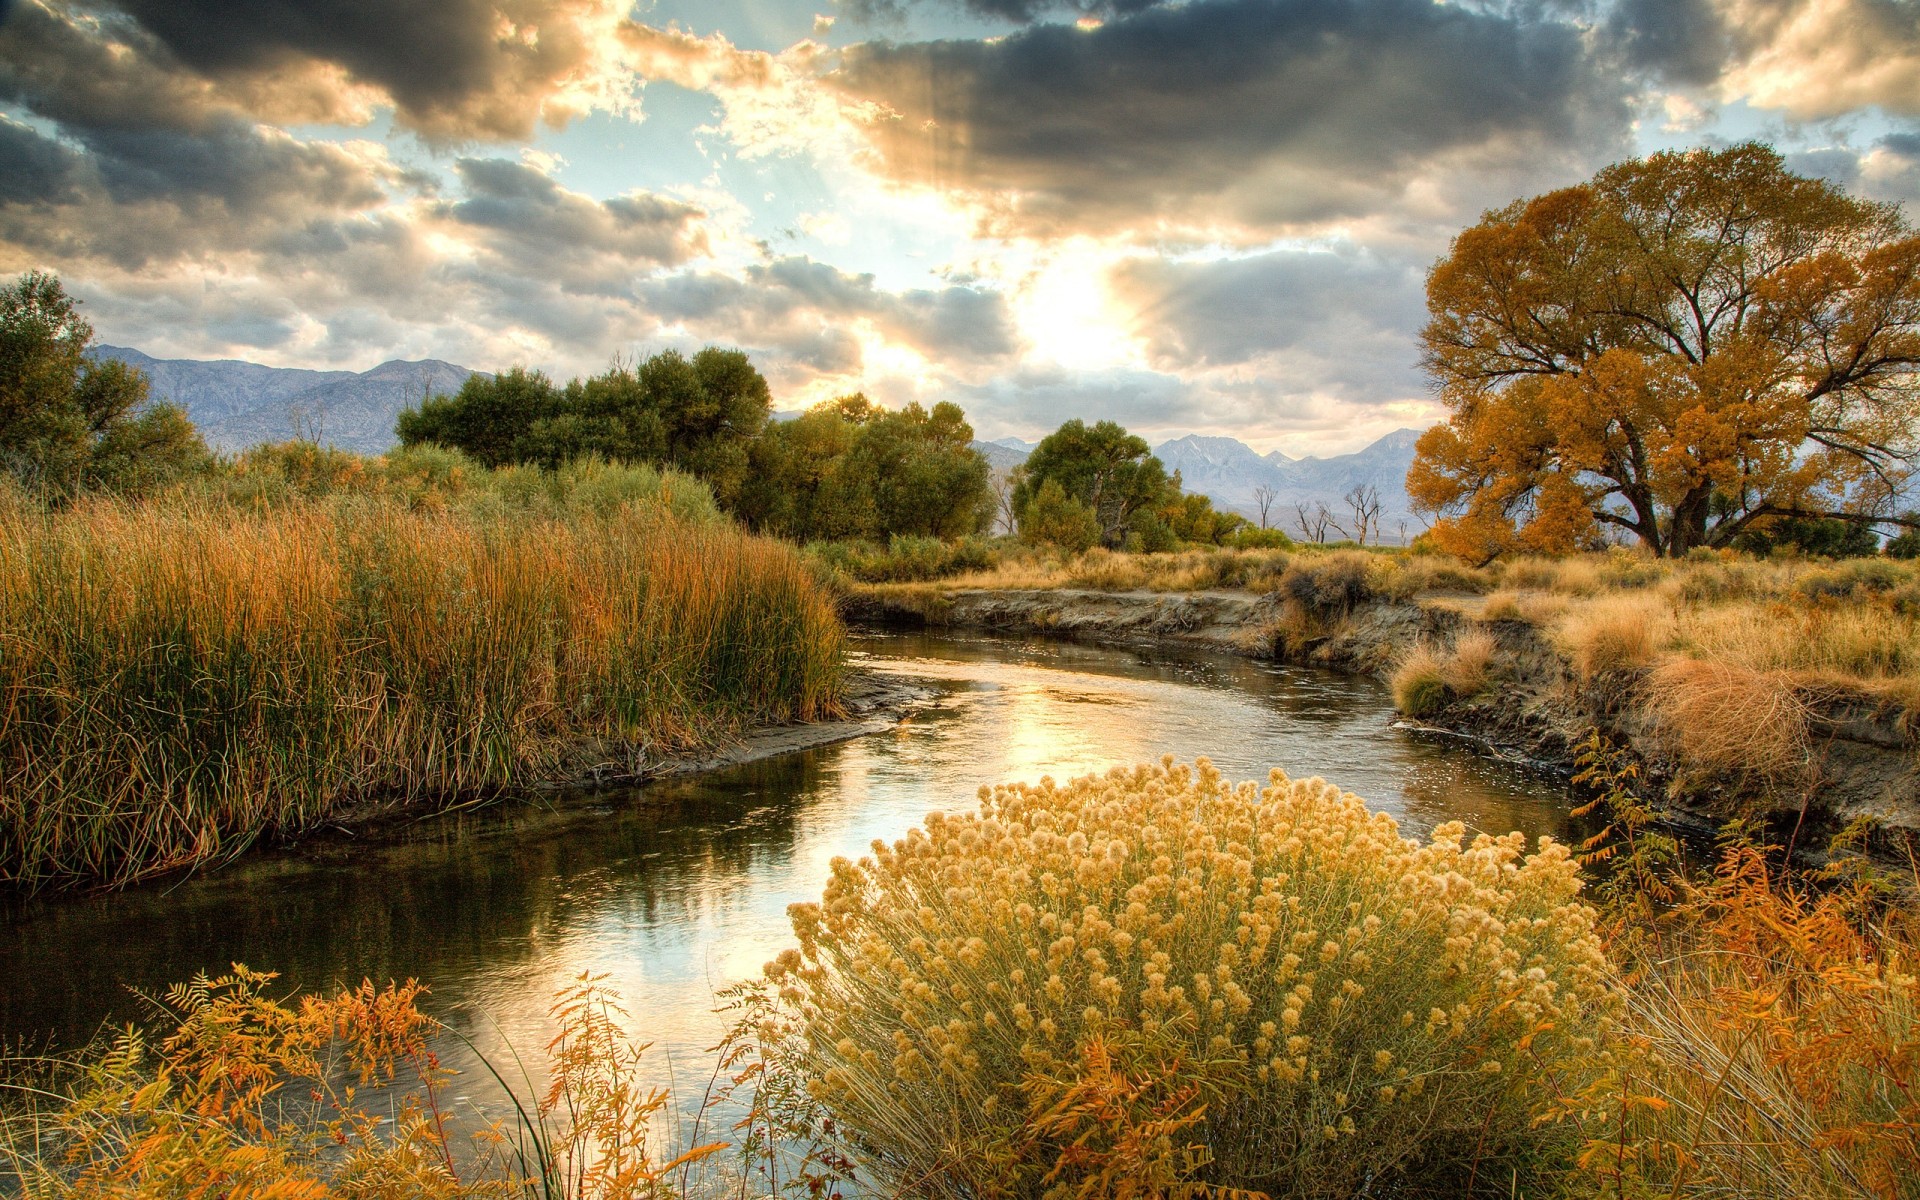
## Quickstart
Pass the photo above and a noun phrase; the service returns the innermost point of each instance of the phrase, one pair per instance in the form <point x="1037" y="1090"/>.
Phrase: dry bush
<point x="1503" y="605"/>
<point x="1612" y="633"/>
<point x="1534" y="574"/>
<point x="1468" y="668"/>
<point x="1332" y="584"/>
<point x="1352" y="1009"/>
<point x="1729" y="718"/>
<point x="1773" y="1049"/>
<point x="1426" y="679"/>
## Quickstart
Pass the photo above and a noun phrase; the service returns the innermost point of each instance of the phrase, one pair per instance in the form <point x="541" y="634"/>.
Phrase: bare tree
<point x="1004" y="517"/>
<point x="309" y="421"/>
<point x="1313" y="523"/>
<point x="1263" y="498"/>
<point x="1363" y="501"/>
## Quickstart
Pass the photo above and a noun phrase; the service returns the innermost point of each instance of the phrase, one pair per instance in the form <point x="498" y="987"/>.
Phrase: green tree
<point x="69" y="421"/>
<point x="699" y="414"/>
<point x="1050" y="517"/>
<point x="916" y="473"/>
<point x="1906" y="544"/>
<point x="491" y="419"/>
<point x="794" y="462"/>
<point x="1191" y="517"/>
<point x="1103" y="467"/>
<point x="1687" y="347"/>
<point x="1827" y="537"/>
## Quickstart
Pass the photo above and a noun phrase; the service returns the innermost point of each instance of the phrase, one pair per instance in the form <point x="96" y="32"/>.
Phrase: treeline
<point x="846" y="469"/>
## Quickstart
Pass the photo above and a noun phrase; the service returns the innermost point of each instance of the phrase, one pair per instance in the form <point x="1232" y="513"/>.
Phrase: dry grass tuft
<point x="1730" y="718"/>
<point x="1612" y="633"/>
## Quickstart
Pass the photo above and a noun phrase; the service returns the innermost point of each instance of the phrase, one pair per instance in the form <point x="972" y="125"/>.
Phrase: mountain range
<point x="239" y="404"/>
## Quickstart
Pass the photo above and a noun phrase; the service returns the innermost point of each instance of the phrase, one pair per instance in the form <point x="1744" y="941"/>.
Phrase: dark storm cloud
<point x="1681" y="41"/>
<point x="1256" y="110"/>
<point x="538" y="227"/>
<point x="803" y="308"/>
<point x="452" y="68"/>
<point x="35" y="169"/>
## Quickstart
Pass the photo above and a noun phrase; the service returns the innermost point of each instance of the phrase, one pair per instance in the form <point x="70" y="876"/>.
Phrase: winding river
<point x="678" y="888"/>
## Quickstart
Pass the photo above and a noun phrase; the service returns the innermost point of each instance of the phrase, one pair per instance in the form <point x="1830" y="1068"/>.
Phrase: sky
<point x="1207" y="216"/>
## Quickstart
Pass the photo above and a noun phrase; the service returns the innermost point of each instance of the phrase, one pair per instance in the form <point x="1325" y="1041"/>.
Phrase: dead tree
<point x="1313" y="522"/>
<point x="1263" y="498"/>
<point x="1363" y="501"/>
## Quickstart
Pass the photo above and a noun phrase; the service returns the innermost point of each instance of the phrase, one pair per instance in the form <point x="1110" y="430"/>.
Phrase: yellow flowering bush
<point x="1156" y="974"/>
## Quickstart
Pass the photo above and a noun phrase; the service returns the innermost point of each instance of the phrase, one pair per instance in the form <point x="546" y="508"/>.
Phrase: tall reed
<point x="177" y="680"/>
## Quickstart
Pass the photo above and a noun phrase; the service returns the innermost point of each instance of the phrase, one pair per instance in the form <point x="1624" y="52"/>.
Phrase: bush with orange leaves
<point x="1771" y="1047"/>
<point x="1157" y="975"/>
<point x="254" y="1098"/>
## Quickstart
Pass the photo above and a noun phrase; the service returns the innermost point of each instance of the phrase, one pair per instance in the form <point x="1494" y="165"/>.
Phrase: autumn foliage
<point x="1685" y="347"/>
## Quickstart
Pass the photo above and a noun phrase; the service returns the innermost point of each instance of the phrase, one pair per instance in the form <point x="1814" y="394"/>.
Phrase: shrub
<point x="1426" y="680"/>
<point x="1419" y="681"/>
<point x="251" y="1096"/>
<point x="1156" y="973"/>
<point x="1252" y="537"/>
<point x="1775" y="1050"/>
<point x="1331" y="584"/>
<point x="1852" y="578"/>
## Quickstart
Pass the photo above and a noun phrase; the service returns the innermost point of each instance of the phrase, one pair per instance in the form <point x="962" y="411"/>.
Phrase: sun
<point x="1067" y="312"/>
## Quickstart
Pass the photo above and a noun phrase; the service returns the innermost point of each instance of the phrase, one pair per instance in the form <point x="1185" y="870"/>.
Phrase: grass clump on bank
<point x="1161" y="978"/>
<point x="182" y="677"/>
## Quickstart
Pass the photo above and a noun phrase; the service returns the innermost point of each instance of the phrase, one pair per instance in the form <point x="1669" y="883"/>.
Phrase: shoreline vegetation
<point x="316" y="635"/>
<point x="1148" y="983"/>
<point x="1759" y="688"/>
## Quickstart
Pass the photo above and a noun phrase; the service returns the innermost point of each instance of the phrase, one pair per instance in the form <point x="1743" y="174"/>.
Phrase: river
<point x="677" y="888"/>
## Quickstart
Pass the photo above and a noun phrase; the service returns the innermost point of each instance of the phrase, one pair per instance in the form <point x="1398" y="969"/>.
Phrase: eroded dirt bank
<point x="1863" y="755"/>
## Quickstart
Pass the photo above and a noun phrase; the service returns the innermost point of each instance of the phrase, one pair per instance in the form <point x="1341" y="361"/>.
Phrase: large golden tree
<point x="1686" y="347"/>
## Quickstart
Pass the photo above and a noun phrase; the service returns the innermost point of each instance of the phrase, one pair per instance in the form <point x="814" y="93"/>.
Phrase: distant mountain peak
<point x="238" y="404"/>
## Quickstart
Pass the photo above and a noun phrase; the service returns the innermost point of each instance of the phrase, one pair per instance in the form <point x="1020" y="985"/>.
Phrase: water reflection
<point x="677" y="889"/>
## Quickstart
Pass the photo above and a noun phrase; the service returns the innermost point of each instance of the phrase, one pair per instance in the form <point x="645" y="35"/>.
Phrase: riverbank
<point x="1820" y="750"/>
<point x="188" y="676"/>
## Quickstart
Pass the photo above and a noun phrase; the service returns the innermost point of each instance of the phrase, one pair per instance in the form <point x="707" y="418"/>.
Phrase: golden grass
<point x="179" y="679"/>
<point x="1772" y="1048"/>
<point x="1617" y="632"/>
<point x="1728" y="717"/>
<point x="1426" y="678"/>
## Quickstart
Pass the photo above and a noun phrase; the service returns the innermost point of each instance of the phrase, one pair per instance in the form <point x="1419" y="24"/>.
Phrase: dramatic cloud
<point x="1684" y="41"/>
<point x="1824" y="58"/>
<point x="533" y="226"/>
<point x="452" y="69"/>
<point x="1188" y="215"/>
<point x="1264" y="112"/>
<point x="1328" y="322"/>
